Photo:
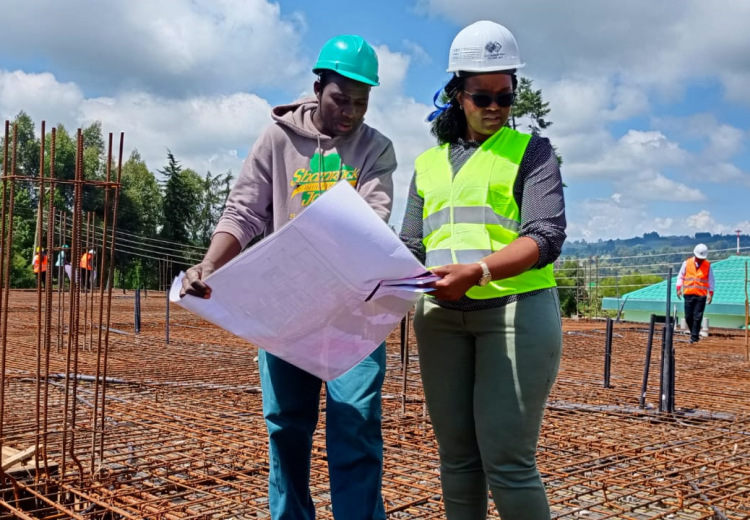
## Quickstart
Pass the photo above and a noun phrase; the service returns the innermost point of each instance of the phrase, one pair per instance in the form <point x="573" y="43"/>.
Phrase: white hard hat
<point x="701" y="251"/>
<point x="484" y="47"/>
<point x="91" y="251"/>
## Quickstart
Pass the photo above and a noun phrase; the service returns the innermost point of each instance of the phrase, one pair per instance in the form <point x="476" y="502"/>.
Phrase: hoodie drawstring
<point x="320" y="152"/>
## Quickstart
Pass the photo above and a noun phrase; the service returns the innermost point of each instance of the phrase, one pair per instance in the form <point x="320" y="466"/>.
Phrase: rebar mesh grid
<point x="185" y="437"/>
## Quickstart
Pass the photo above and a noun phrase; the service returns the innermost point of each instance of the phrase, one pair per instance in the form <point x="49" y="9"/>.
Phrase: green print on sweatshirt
<point x="313" y="182"/>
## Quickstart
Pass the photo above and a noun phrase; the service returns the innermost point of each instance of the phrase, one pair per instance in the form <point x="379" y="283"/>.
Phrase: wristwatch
<point x="486" y="275"/>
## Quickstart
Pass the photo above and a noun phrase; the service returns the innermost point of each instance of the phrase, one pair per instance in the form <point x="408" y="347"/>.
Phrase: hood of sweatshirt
<point x="292" y="164"/>
<point x="298" y="117"/>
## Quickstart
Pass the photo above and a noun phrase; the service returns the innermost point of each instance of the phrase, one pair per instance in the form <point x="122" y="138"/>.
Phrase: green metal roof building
<point x="727" y="309"/>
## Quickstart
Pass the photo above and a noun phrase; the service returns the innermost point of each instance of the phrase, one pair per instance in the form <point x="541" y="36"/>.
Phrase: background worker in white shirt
<point x="696" y="283"/>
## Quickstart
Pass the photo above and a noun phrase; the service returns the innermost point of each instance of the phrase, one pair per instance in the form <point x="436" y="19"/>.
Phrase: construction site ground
<point x="185" y="437"/>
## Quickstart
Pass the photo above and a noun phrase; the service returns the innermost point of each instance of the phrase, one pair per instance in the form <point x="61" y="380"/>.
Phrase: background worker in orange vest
<point x="39" y="264"/>
<point x="87" y="270"/>
<point x="696" y="283"/>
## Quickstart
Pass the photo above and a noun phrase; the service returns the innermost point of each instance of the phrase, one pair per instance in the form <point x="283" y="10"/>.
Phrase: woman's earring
<point x="461" y="107"/>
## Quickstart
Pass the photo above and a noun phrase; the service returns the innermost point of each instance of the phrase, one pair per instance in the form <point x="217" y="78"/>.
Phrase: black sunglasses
<point x="503" y="100"/>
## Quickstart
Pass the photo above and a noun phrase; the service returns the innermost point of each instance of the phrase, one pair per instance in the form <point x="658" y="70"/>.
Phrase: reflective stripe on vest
<point x="696" y="280"/>
<point x="469" y="216"/>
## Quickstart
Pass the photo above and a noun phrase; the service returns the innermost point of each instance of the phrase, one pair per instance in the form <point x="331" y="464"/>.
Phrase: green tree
<point x="27" y="151"/>
<point x="567" y="281"/>
<point x="27" y="162"/>
<point x="530" y="104"/>
<point x="214" y="193"/>
<point x="93" y="137"/>
<point x="25" y="197"/>
<point x="24" y="228"/>
<point x="65" y="165"/>
<point x="612" y="287"/>
<point x="21" y="274"/>
<point x="139" y="213"/>
<point x="140" y="210"/>
<point x="94" y="168"/>
<point x="182" y="197"/>
<point x="180" y="202"/>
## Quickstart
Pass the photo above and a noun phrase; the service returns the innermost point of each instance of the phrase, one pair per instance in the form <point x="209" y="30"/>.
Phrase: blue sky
<point x="649" y="100"/>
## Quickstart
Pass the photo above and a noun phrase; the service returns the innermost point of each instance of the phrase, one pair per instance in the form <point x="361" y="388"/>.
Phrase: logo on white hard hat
<point x="493" y="50"/>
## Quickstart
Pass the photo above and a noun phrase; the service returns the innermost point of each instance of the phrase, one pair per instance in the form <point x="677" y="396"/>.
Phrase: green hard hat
<point x="352" y="57"/>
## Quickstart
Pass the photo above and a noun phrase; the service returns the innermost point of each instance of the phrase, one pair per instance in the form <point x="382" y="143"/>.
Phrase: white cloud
<point x="737" y="85"/>
<point x="212" y="132"/>
<point x="650" y="43"/>
<point x="703" y="222"/>
<point x="609" y="218"/>
<point x="638" y="162"/>
<point x="603" y="65"/>
<point x="173" y="74"/>
<point x="579" y="103"/>
<point x="401" y="119"/>
<point x="40" y="95"/>
<point x="656" y="187"/>
<point x="204" y="132"/>
<point x="392" y="70"/>
<point x="718" y="145"/>
<point x="417" y="52"/>
<point x="725" y="142"/>
<point x="719" y="141"/>
<point x="170" y="47"/>
<point x="594" y="219"/>
<point x="723" y="172"/>
<point x="633" y="164"/>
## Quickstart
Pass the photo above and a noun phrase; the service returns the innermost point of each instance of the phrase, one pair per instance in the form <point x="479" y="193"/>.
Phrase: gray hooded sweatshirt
<point x="292" y="164"/>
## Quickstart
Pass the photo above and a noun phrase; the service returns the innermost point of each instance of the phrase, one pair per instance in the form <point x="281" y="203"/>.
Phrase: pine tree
<point x="180" y="202"/>
<point x="530" y="104"/>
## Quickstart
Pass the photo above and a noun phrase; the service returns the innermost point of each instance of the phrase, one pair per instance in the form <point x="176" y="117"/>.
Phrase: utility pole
<point x="747" y="319"/>
<point x="588" y="288"/>
<point x="739" y="232"/>
<point x="596" y="289"/>
<point x="578" y="287"/>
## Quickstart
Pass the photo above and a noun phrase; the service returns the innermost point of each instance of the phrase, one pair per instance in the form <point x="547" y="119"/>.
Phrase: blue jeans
<point x="354" y="441"/>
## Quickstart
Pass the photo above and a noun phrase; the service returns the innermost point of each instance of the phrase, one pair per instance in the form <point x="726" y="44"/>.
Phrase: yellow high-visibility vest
<point x="474" y="213"/>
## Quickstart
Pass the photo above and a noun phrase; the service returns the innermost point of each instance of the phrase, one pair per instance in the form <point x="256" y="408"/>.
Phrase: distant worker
<point x="696" y="283"/>
<point x="62" y="261"/>
<point x="311" y="145"/>
<point x="39" y="264"/>
<point x="87" y="270"/>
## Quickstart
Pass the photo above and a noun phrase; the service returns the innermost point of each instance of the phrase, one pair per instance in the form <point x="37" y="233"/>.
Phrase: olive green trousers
<point x="487" y="375"/>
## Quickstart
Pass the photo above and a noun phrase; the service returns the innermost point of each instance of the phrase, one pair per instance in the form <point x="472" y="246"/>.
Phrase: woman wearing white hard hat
<point x="486" y="212"/>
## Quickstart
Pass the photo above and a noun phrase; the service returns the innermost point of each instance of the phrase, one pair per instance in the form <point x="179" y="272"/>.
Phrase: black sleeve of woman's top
<point x="539" y="193"/>
<point x="411" y="228"/>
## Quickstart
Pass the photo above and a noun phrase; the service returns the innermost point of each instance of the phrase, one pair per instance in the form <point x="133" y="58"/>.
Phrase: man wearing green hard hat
<point x="312" y="144"/>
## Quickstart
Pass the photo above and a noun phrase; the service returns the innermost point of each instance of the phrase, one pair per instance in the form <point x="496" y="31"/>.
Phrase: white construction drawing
<point x="323" y="292"/>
